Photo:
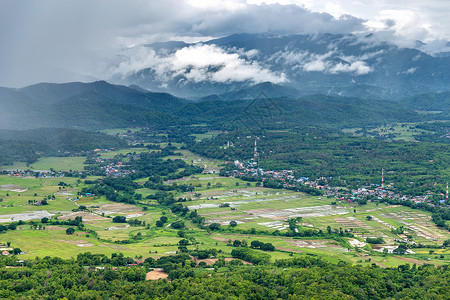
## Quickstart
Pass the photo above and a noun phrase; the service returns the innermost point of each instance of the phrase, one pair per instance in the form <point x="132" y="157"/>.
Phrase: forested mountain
<point x="100" y="105"/>
<point x="308" y="110"/>
<point x="87" y="105"/>
<point x="437" y="102"/>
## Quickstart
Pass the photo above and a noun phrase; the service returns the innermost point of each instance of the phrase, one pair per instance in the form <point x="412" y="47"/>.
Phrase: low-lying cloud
<point x="331" y="62"/>
<point x="196" y="63"/>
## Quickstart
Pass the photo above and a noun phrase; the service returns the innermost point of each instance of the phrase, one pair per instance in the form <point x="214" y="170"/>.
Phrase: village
<point x="287" y="179"/>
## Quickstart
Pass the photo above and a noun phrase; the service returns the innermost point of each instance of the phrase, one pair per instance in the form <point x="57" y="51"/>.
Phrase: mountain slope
<point x="85" y="105"/>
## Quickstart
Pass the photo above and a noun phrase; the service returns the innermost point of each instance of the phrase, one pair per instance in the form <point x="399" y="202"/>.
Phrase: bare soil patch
<point x="36" y="215"/>
<point x="305" y="212"/>
<point x="13" y="188"/>
<point x="221" y="239"/>
<point x="211" y="261"/>
<point x="156" y="274"/>
<point x="218" y="213"/>
<point x="289" y="249"/>
<point x="112" y="208"/>
<point x="53" y="227"/>
<point x="312" y="243"/>
<point x="87" y="216"/>
<point x="411" y="260"/>
<point x="79" y="243"/>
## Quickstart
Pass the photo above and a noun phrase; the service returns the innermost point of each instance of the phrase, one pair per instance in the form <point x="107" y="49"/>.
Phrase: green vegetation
<point x="306" y="277"/>
<point x="28" y="145"/>
<point x="158" y="198"/>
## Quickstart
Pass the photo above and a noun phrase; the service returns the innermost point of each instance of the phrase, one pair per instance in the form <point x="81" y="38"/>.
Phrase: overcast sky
<point x="54" y="40"/>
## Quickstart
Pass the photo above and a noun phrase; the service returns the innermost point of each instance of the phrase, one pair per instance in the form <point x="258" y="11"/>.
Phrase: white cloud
<point x="326" y="63"/>
<point x="408" y="72"/>
<point x="357" y="67"/>
<point x="37" y="35"/>
<point x="197" y="63"/>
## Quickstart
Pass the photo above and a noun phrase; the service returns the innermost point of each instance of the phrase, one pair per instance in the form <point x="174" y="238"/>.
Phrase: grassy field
<point x="207" y="135"/>
<point x="111" y="154"/>
<point x="399" y="131"/>
<point x="55" y="163"/>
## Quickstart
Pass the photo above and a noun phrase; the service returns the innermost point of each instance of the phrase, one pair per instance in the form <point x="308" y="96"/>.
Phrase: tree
<point x="267" y="247"/>
<point x="183" y="242"/>
<point x="70" y="231"/>
<point x="237" y="243"/>
<point x="44" y="220"/>
<point x="159" y="223"/>
<point x="446" y="243"/>
<point x="255" y="244"/>
<point x="17" y="251"/>
<point x="400" y="250"/>
<point x="119" y="219"/>
<point x="369" y="218"/>
<point x="177" y="224"/>
<point x="214" y="226"/>
<point x="163" y="219"/>
<point x="233" y="223"/>
<point x="378" y="240"/>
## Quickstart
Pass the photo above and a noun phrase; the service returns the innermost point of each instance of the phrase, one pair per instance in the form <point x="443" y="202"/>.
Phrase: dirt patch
<point x="118" y="227"/>
<point x="114" y="208"/>
<point x="52" y="227"/>
<point x="211" y="261"/>
<point x="87" y="216"/>
<point x="218" y="213"/>
<point x="115" y="247"/>
<point x="221" y="239"/>
<point x="79" y="243"/>
<point x="289" y="249"/>
<point x="13" y="188"/>
<point x="312" y="244"/>
<point x="25" y="216"/>
<point x="356" y="243"/>
<point x="304" y="212"/>
<point x="156" y="274"/>
<point x="411" y="260"/>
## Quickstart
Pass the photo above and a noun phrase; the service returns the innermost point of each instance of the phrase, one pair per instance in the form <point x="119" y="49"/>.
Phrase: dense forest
<point x="29" y="145"/>
<point x="315" y="152"/>
<point x="299" y="278"/>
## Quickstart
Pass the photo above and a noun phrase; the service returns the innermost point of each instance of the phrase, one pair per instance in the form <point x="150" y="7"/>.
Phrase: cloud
<point x="357" y="67"/>
<point x="275" y="18"/>
<point x="39" y="36"/>
<point x="197" y="63"/>
<point x="332" y="62"/>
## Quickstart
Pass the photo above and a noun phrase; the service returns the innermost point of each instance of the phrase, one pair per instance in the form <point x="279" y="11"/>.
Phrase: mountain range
<point x="296" y="65"/>
<point x="100" y="105"/>
<point x="326" y="79"/>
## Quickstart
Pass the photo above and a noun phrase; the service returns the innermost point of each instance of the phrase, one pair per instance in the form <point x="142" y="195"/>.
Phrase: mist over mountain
<point x="339" y="64"/>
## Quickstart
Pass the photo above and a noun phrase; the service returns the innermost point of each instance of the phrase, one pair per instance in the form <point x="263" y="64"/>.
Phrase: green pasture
<point x="55" y="163"/>
<point x="207" y="135"/>
<point x="402" y="131"/>
<point x="111" y="154"/>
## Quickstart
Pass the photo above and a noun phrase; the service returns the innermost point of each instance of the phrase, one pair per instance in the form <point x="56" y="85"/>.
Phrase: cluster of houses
<point x="374" y="191"/>
<point x="114" y="168"/>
